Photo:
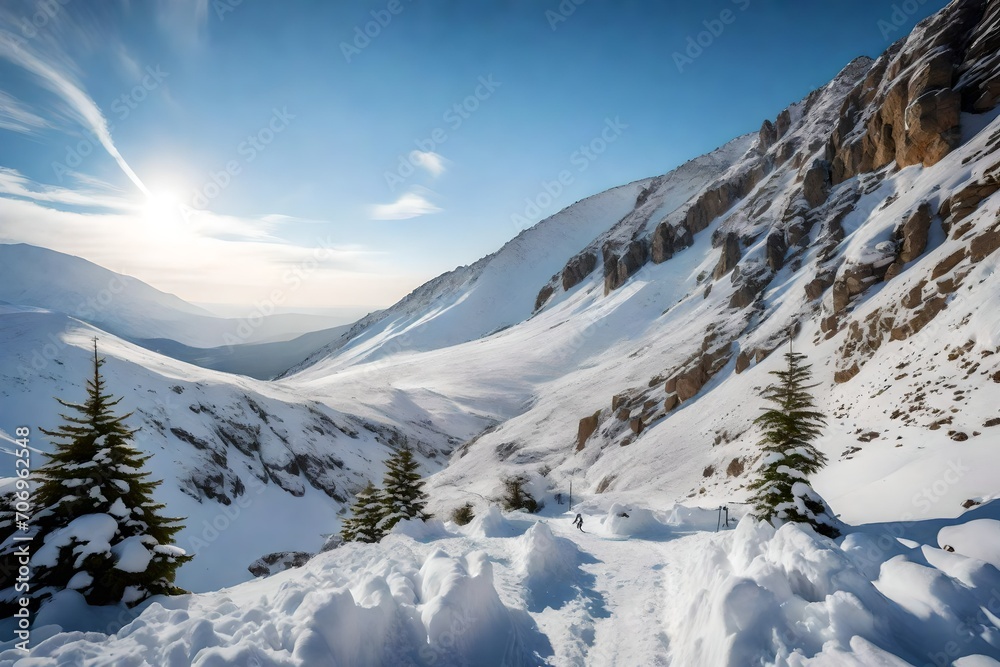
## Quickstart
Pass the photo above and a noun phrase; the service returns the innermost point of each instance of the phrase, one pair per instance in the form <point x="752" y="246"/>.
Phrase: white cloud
<point x="210" y="258"/>
<point x="17" y="117"/>
<point x="12" y="48"/>
<point x="14" y="184"/>
<point x="412" y="204"/>
<point x="433" y="162"/>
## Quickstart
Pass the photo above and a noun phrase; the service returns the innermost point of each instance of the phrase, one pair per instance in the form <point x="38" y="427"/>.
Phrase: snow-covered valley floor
<point x="658" y="587"/>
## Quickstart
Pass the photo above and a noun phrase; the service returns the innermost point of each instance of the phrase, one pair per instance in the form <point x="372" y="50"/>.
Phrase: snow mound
<point x="421" y="531"/>
<point x="976" y="539"/>
<point x="628" y="521"/>
<point x="491" y="523"/>
<point x="359" y="605"/>
<point x="762" y="596"/>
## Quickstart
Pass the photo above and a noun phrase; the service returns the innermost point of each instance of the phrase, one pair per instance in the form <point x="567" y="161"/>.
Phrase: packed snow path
<point x="650" y="588"/>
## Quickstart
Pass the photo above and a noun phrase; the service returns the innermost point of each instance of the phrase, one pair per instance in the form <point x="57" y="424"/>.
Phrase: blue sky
<point x="212" y="147"/>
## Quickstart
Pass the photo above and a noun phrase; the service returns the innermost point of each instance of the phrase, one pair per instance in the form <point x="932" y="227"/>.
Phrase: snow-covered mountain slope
<point x="128" y="307"/>
<point x="638" y="368"/>
<point x="234" y="453"/>
<point x="617" y="350"/>
<point x="655" y="587"/>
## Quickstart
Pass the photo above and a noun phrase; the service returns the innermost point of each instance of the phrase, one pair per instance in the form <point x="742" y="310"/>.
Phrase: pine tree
<point x="366" y="513"/>
<point x="98" y="530"/>
<point x="782" y="492"/>
<point x="403" y="494"/>
<point x="516" y="496"/>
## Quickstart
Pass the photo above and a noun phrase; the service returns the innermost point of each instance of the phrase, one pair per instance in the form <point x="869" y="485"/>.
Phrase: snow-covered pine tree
<point x="782" y="492"/>
<point x="98" y="530"/>
<point x="366" y="513"/>
<point x="403" y="494"/>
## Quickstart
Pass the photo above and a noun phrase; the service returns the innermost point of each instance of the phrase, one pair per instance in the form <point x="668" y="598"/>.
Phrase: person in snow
<point x="578" y="522"/>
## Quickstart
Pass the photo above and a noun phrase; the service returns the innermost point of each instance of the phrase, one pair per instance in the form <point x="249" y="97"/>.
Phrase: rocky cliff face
<point x="789" y="195"/>
<point x="908" y="108"/>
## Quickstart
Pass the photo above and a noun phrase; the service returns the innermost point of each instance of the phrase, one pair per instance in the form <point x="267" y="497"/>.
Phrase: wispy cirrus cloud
<point x="412" y="204"/>
<point x="15" y="184"/>
<point x="49" y="75"/>
<point x="17" y="117"/>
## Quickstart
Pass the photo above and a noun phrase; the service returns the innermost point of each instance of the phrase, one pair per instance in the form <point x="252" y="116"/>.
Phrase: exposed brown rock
<point x="934" y="73"/>
<point x="893" y="270"/>
<point x="577" y="269"/>
<point x="716" y="201"/>
<point x="742" y="361"/>
<point x="815" y="287"/>
<point x="783" y="123"/>
<point x="816" y="183"/>
<point x="776" y="249"/>
<point x="920" y="319"/>
<point x="841" y="296"/>
<point x="768" y="136"/>
<point x="670" y="402"/>
<point x="636" y="425"/>
<point x="587" y="427"/>
<point x="948" y="285"/>
<point x="667" y="240"/>
<point x="730" y="256"/>
<point x="746" y="293"/>
<point x="618" y="400"/>
<point x="914" y="297"/>
<point x="690" y="382"/>
<point x="617" y="269"/>
<point x="914" y="233"/>
<point x="932" y="123"/>
<point x="735" y="467"/>
<point x="984" y="245"/>
<point x="623" y="414"/>
<point x="843" y="376"/>
<point x="544" y="295"/>
<point x="948" y="263"/>
<point x="907" y="107"/>
<point x="828" y="325"/>
<point x="962" y="203"/>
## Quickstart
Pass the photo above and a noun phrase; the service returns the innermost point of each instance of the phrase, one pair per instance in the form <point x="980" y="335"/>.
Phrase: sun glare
<point x="162" y="212"/>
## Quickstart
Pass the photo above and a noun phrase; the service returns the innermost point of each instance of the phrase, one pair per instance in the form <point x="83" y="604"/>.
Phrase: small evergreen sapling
<point x="403" y="494"/>
<point x="366" y="513"/>
<point x="782" y="492"/>
<point x="375" y="511"/>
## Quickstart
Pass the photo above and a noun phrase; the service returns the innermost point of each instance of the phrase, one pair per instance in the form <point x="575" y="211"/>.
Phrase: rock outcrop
<point x="587" y="427"/>
<point x="816" y="183"/>
<point x="913" y="233"/>
<point x="618" y="268"/>
<point x="278" y="561"/>
<point x="577" y="269"/>
<point x="908" y="108"/>
<point x="730" y="256"/>
<point x="668" y="239"/>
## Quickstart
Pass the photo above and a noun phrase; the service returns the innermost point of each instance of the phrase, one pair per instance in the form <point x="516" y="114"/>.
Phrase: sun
<point x="162" y="212"/>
